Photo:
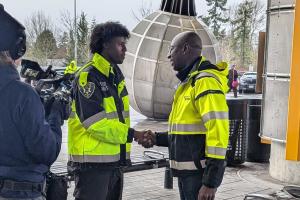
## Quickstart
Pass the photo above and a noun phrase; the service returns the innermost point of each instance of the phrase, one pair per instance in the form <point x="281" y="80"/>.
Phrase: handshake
<point x="145" y="138"/>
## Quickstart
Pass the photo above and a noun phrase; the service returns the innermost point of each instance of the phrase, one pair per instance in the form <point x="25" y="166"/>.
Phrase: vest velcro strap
<point x="189" y="165"/>
<point x="214" y="115"/>
<point x="187" y="128"/>
<point x="218" y="151"/>
<point x="208" y="92"/>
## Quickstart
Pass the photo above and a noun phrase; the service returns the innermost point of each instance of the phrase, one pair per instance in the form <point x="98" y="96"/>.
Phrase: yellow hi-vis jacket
<point x="99" y="124"/>
<point x="198" y="130"/>
<point x="71" y="68"/>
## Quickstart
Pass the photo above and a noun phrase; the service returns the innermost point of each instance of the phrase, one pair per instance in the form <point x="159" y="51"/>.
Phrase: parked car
<point x="59" y="70"/>
<point x="247" y="82"/>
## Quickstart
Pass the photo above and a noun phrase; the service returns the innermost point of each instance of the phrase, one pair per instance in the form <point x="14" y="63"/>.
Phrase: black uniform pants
<point x="189" y="186"/>
<point x="98" y="184"/>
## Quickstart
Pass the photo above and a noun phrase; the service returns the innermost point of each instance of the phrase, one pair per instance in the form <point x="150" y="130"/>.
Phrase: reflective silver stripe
<point x="203" y="163"/>
<point x="187" y="127"/>
<point x="214" y="115"/>
<point x="190" y="165"/>
<point x="95" y="118"/>
<point x="127" y="155"/>
<point x="219" y="151"/>
<point x="112" y="115"/>
<point x="125" y="114"/>
<point x="72" y="115"/>
<point x="94" y="158"/>
<point x="204" y="74"/>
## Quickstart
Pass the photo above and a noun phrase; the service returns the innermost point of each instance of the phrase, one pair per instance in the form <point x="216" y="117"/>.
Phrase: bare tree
<point x="144" y="11"/>
<point x="82" y="34"/>
<point x="36" y="24"/>
<point x="247" y="20"/>
<point x="42" y="35"/>
<point x="258" y="20"/>
<point x="67" y="20"/>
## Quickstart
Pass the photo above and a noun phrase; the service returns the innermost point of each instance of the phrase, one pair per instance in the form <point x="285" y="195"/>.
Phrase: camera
<point x="49" y="84"/>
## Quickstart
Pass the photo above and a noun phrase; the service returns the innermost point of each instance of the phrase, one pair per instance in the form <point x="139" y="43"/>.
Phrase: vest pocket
<point x="91" y="144"/>
<point x="197" y="149"/>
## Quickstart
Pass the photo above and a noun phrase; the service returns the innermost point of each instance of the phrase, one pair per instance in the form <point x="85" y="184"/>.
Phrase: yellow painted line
<point x="293" y="128"/>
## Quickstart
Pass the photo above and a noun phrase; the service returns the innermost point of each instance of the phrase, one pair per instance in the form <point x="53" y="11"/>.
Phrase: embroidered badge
<point x="88" y="90"/>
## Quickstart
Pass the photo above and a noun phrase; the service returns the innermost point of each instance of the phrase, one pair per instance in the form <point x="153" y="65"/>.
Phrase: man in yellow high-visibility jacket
<point x="71" y="68"/>
<point x="198" y="130"/>
<point x="100" y="136"/>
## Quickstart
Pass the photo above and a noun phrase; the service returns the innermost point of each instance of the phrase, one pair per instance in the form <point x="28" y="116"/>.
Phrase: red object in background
<point x="234" y="84"/>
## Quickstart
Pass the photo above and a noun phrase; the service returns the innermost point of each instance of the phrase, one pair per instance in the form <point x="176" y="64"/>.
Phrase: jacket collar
<point x="101" y="64"/>
<point x="188" y="71"/>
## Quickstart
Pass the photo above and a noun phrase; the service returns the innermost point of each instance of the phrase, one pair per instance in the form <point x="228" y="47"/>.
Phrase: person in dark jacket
<point x="233" y="80"/>
<point x="198" y="124"/>
<point x="28" y="144"/>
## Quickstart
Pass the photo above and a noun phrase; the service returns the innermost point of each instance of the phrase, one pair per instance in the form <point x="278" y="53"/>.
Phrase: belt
<point x="21" y="186"/>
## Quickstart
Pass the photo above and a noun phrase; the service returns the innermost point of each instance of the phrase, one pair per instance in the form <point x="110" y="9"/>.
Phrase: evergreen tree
<point x="82" y="38"/>
<point x="44" y="47"/>
<point x="70" y="47"/>
<point x="82" y="35"/>
<point x="216" y="17"/>
<point x="93" y="24"/>
<point x="63" y="40"/>
<point x="241" y="33"/>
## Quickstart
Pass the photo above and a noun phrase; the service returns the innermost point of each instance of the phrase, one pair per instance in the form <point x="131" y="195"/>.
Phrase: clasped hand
<point x="145" y="138"/>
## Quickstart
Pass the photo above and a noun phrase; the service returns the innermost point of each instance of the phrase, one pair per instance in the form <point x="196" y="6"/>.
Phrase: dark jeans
<point x="98" y="184"/>
<point x="189" y="187"/>
<point x="234" y="91"/>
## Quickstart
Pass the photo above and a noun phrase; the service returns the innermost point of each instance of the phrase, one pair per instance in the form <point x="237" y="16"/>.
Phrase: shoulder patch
<point x="87" y="90"/>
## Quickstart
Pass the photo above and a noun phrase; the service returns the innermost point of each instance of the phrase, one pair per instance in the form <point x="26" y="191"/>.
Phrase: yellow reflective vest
<point x="99" y="124"/>
<point x="198" y="130"/>
<point x="71" y="68"/>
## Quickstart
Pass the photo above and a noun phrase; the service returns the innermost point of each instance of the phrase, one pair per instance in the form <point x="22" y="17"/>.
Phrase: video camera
<point x="32" y="71"/>
<point x="50" y="85"/>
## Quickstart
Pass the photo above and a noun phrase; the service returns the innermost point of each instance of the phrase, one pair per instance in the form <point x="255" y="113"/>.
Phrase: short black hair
<point x="104" y="32"/>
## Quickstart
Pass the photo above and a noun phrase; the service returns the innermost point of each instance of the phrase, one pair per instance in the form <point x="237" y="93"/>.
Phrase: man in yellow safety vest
<point x="100" y="136"/>
<point x="198" y="130"/>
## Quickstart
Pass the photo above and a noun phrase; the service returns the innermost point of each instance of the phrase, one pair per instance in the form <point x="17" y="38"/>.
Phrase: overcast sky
<point x="117" y="10"/>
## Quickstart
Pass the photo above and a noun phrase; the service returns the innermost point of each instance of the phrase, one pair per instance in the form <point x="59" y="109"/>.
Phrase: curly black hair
<point x="104" y="32"/>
